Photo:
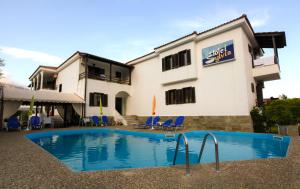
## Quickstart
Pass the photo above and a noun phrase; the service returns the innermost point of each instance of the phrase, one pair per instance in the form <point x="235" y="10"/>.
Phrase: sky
<point x="40" y="32"/>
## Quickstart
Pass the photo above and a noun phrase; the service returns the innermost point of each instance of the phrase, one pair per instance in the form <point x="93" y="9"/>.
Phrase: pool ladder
<point x="187" y="161"/>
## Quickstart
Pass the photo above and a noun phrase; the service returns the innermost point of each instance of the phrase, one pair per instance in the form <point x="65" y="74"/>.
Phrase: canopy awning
<point x="14" y="93"/>
<point x="265" y="39"/>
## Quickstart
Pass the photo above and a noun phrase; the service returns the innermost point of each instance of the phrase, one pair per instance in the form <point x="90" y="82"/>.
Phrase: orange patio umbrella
<point x="153" y="105"/>
<point x="153" y="108"/>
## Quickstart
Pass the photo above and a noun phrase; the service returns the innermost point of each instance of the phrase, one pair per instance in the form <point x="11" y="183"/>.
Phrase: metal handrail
<point x="187" y="160"/>
<point x="216" y="149"/>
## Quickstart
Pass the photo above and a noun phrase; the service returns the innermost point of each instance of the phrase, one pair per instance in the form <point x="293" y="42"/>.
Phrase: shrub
<point x="259" y="120"/>
<point x="283" y="111"/>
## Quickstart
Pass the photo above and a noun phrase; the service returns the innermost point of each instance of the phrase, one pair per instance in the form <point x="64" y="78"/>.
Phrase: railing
<point x="265" y="61"/>
<point x="187" y="160"/>
<point x="216" y="149"/>
<point x="104" y="77"/>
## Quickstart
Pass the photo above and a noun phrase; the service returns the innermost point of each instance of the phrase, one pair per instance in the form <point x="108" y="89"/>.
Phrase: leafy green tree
<point x="1" y="65"/>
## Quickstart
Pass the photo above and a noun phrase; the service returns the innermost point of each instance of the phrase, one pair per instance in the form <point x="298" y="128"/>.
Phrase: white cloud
<point x="257" y="18"/>
<point x="36" y="56"/>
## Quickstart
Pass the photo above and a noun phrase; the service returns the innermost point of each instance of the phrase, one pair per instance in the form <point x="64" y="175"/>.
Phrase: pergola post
<point x="65" y="115"/>
<point x="110" y="67"/>
<point x="36" y="110"/>
<point x="275" y="50"/>
<point x="42" y="79"/>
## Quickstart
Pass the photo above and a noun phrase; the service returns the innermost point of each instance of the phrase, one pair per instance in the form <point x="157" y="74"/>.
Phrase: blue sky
<point x="40" y="32"/>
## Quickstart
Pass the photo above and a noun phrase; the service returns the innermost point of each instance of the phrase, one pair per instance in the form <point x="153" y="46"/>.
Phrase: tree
<point x="1" y="65"/>
<point x="283" y="97"/>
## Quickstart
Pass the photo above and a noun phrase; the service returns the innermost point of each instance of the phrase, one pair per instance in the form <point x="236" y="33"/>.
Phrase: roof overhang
<point x="42" y="68"/>
<point x="241" y="21"/>
<point x="13" y="93"/>
<point x="265" y="39"/>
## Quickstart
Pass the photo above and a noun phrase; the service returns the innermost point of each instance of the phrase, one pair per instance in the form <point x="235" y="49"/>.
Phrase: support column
<point x="65" y="115"/>
<point x="275" y="50"/>
<point x="259" y="93"/>
<point x="36" y="110"/>
<point x="38" y="82"/>
<point x="85" y="60"/>
<point x="129" y="76"/>
<point x="42" y="79"/>
<point x="110" y="67"/>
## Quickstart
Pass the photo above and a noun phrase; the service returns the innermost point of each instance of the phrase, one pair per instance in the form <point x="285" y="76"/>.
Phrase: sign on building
<point x="217" y="54"/>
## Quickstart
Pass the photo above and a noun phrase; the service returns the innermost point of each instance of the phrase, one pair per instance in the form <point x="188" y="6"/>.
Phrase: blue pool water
<point x="104" y="149"/>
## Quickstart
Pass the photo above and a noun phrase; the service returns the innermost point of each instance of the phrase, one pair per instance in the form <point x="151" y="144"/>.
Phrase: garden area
<point x="280" y="113"/>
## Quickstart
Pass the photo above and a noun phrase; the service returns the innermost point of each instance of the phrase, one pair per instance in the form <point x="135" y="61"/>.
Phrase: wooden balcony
<point x="105" y="77"/>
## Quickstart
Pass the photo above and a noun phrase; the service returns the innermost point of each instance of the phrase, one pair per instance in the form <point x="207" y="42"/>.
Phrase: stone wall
<point x="227" y="123"/>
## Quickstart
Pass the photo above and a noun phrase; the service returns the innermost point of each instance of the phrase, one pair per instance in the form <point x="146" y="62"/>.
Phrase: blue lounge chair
<point x="105" y="120"/>
<point x="35" y="122"/>
<point x="13" y="123"/>
<point x="95" y="120"/>
<point x="156" y="120"/>
<point x="178" y="122"/>
<point x="167" y="124"/>
<point x="148" y="124"/>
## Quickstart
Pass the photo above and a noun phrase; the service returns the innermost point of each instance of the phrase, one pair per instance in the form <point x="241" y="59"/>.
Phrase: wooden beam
<point x="110" y="67"/>
<point x="275" y="50"/>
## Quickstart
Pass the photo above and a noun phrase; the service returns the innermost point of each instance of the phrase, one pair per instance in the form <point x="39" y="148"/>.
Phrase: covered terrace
<point x="12" y="97"/>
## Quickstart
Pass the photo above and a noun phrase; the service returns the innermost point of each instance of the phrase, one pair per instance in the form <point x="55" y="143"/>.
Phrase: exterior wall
<point x="109" y="88"/>
<point x="221" y="90"/>
<point x="69" y="78"/>
<point x="226" y="123"/>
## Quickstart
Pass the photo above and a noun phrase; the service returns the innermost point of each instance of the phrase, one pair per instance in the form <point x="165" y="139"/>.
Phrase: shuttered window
<point x="95" y="99"/>
<point x="182" y="58"/>
<point x="180" y="96"/>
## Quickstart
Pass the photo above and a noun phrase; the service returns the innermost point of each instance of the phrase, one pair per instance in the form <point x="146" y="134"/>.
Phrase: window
<point x="95" y="99"/>
<point x="180" y="96"/>
<point x="252" y="88"/>
<point x="60" y="88"/>
<point x="182" y="58"/>
<point x="96" y="71"/>
<point x="118" y="75"/>
<point x="166" y="63"/>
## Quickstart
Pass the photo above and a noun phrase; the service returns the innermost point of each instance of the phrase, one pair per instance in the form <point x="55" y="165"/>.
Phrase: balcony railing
<point x="266" y="61"/>
<point x="266" y="69"/>
<point x="104" y="77"/>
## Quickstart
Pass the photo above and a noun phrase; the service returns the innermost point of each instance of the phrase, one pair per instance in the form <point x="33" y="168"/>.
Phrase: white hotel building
<point x="214" y="78"/>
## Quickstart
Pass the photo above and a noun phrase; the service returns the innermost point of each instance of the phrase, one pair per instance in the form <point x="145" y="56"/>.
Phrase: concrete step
<point x="131" y="119"/>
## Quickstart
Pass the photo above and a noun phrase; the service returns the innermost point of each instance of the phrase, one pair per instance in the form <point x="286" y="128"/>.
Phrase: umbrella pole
<point x="152" y="123"/>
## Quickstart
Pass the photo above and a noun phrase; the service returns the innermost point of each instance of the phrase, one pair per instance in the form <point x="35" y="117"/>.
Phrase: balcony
<point x="266" y="69"/>
<point x="104" y="77"/>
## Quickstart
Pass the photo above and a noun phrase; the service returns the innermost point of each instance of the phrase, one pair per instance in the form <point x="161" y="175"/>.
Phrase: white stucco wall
<point x="69" y="78"/>
<point x="220" y="89"/>
<point x="109" y="88"/>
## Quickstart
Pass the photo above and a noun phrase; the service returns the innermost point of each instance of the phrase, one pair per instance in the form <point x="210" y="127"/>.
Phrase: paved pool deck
<point x="23" y="164"/>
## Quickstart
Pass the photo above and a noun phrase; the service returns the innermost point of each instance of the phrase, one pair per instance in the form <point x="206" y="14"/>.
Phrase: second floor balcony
<point x="266" y="69"/>
<point x="105" y="77"/>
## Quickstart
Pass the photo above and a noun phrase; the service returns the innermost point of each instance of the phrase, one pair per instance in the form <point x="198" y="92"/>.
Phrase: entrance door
<point x="118" y="105"/>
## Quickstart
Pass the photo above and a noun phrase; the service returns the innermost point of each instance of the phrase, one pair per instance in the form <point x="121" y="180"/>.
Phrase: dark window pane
<point x="163" y="64"/>
<point x="188" y="57"/>
<point x="168" y="60"/>
<point x="91" y="99"/>
<point x="181" y="58"/>
<point x="175" y="61"/>
<point x="193" y="95"/>
<point x="167" y="97"/>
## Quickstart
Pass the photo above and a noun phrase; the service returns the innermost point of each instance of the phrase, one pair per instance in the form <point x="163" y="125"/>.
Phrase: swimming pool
<point x="106" y="149"/>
